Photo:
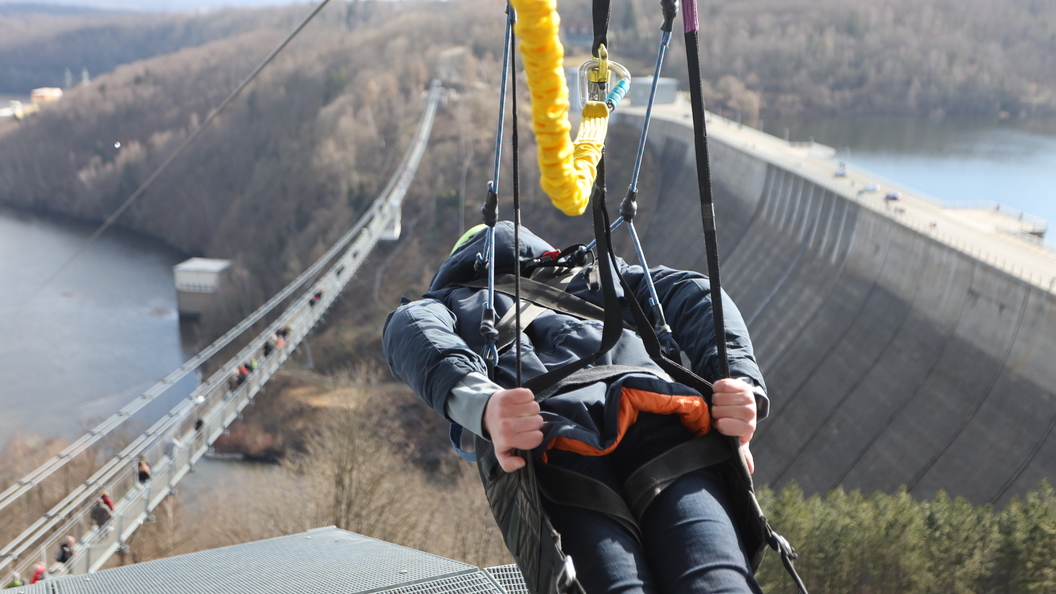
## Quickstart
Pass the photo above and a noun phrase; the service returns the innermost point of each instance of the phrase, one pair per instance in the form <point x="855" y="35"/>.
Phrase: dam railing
<point x="1037" y="265"/>
<point x="176" y="441"/>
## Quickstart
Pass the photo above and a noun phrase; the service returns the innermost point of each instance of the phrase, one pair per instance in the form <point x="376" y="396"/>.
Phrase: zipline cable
<point x="179" y="150"/>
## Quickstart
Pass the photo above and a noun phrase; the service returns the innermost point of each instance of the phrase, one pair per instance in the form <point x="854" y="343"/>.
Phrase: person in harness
<point x="620" y="416"/>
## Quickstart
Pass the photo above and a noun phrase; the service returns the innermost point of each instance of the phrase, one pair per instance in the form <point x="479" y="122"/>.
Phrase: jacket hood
<point x="461" y="266"/>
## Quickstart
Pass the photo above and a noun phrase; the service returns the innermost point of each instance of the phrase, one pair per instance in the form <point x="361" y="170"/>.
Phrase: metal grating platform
<point x="510" y="578"/>
<point x="321" y="560"/>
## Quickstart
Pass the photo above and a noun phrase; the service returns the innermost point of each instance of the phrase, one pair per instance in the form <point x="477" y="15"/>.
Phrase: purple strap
<point x="689" y="15"/>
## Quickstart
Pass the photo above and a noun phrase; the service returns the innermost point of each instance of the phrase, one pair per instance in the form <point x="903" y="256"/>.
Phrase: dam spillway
<point x="903" y="343"/>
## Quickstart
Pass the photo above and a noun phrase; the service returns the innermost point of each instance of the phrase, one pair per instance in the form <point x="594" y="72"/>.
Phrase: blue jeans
<point x="689" y="543"/>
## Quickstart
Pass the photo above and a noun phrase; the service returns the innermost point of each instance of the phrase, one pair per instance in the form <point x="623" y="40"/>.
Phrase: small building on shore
<point x="198" y="284"/>
<point x="45" y="94"/>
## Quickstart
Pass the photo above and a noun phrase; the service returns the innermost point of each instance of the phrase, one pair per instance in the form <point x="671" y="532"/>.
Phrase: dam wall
<point x="893" y="355"/>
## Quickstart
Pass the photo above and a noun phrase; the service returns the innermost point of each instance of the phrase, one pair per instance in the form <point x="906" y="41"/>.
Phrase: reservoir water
<point x="106" y="329"/>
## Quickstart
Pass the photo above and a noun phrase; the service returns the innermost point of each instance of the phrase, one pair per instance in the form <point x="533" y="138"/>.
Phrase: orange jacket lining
<point x="691" y="409"/>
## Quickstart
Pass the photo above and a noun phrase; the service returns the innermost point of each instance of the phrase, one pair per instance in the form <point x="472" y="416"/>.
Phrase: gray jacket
<point x="434" y="344"/>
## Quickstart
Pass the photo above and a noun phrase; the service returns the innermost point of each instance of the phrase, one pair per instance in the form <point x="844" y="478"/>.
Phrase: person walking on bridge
<point x="101" y="513"/>
<point x="65" y="552"/>
<point x="143" y="470"/>
<point x="685" y="539"/>
<point x="40" y="571"/>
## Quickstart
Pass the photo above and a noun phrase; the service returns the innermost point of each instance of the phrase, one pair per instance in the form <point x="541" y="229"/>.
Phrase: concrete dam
<point x="903" y="343"/>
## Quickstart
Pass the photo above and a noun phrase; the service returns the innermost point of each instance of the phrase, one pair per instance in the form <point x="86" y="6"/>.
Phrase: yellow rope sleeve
<point x="568" y="170"/>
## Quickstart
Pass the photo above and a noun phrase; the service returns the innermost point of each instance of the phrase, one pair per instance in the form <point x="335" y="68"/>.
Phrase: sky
<point x="155" y="5"/>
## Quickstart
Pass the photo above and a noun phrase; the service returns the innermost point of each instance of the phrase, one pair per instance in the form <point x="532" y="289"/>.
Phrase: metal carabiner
<point x="595" y="76"/>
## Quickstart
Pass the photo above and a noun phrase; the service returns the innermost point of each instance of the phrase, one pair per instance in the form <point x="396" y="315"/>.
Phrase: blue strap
<point x="454" y="433"/>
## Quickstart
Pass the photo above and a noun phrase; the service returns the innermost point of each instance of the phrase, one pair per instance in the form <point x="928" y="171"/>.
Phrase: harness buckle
<point x="567" y="577"/>
<point x="490" y="334"/>
<point x="781" y="545"/>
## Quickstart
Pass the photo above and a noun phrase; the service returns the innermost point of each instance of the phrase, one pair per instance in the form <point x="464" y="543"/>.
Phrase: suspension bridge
<point x="176" y="441"/>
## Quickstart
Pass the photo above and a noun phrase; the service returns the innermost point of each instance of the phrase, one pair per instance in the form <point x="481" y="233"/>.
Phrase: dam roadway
<point x="903" y="343"/>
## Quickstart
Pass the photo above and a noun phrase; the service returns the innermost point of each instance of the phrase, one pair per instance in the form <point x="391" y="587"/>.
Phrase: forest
<point x="932" y="58"/>
<point x="759" y="57"/>
<point x="296" y="159"/>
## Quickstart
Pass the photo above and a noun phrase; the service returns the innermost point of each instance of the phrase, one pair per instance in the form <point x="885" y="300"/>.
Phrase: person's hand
<point x="733" y="408"/>
<point x="512" y="419"/>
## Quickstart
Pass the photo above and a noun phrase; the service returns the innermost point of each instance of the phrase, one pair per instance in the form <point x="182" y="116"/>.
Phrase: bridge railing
<point x="178" y="440"/>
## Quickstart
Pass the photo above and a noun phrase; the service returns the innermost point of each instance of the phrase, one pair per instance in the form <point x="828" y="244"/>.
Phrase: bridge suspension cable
<point x="179" y="150"/>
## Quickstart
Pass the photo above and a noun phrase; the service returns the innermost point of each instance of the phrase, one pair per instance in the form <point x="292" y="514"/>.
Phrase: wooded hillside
<point x="297" y="158"/>
<point x="280" y="174"/>
<point x="936" y="57"/>
<point x="38" y="44"/>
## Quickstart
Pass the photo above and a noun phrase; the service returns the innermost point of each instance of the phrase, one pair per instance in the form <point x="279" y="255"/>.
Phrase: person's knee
<point x="691" y="541"/>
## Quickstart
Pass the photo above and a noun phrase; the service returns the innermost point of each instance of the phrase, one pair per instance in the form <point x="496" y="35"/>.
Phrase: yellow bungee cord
<point x="568" y="169"/>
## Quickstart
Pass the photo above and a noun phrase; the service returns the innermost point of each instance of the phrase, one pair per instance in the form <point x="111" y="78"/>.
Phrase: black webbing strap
<point x="707" y="199"/>
<point x="601" y="10"/>
<point x="593" y="375"/>
<point x="707" y="213"/>
<point x="652" y="346"/>
<point x="546" y="296"/>
<point x="566" y="487"/>
<point x="654" y="476"/>
<point x="517" y="320"/>
<point x="515" y="146"/>
<point x="513" y="322"/>
<point x="613" y="327"/>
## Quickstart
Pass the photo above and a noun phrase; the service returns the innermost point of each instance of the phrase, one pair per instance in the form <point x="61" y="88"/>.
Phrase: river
<point x="75" y="351"/>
